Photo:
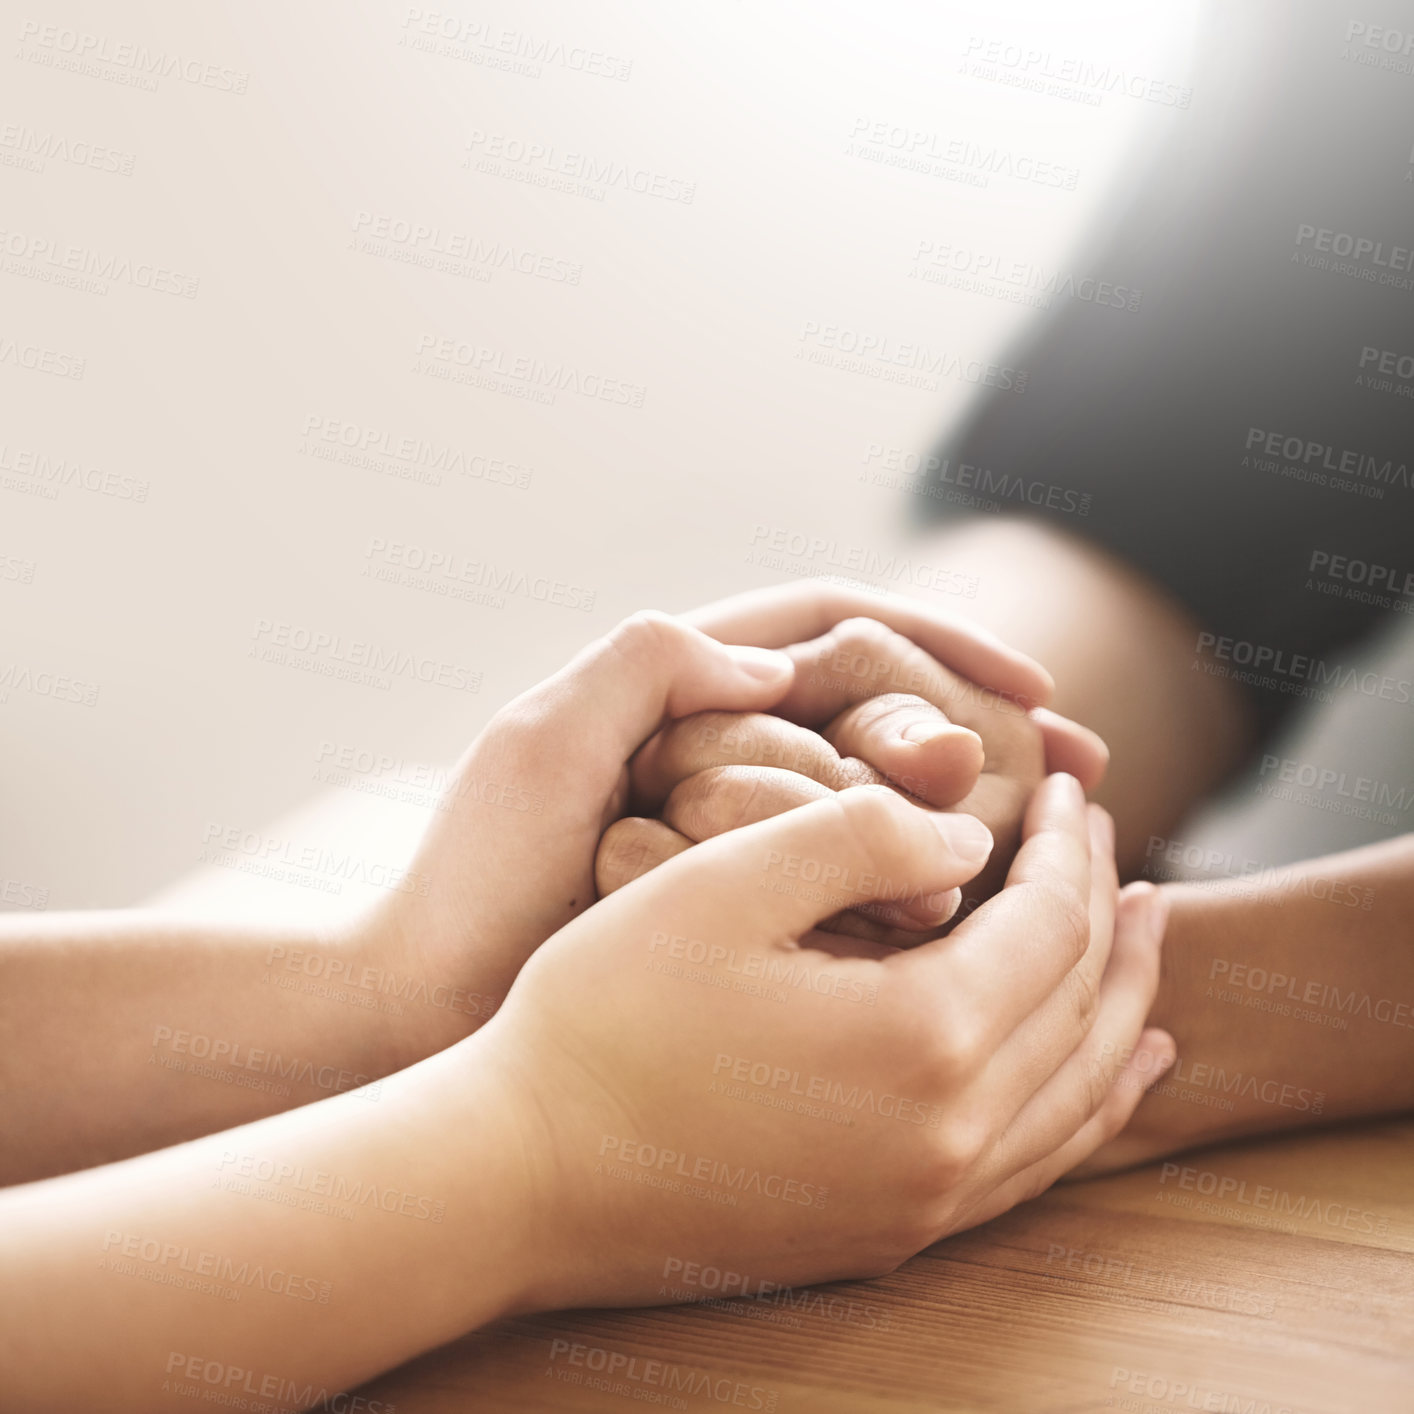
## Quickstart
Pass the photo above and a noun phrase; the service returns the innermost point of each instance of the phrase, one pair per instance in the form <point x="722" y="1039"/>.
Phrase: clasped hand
<point x="695" y="1062"/>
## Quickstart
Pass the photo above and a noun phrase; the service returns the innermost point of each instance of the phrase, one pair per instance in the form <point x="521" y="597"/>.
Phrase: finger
<point x="726" y="798"/>
<point x="1153" y="1054"/>
<point x="780" y="877"/>
<point x="617" y="692"/>
<point x="912" y="745"/>
<point x="631" y="847"/>
<point x="862" y="658"/>
<point x="785" y="614"/>
<point x="1056" y="1109"/>
<point x="1062" y="1020"/>
<point x="1072" y="748"/>
<point x="1009" y="955"/>
<point x="711" y="739"/>
<point x="888" y="923"/>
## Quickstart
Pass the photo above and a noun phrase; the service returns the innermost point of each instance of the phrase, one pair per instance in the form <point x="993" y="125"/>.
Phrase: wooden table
<point x="1260" y="1277"/>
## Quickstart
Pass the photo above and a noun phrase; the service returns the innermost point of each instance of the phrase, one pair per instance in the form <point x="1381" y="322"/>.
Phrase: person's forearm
<point x="1121" y="653"/>
<point x="1291" y="998"/>
<point x="127" y="1031"/>
<point x="280" y="1262"/>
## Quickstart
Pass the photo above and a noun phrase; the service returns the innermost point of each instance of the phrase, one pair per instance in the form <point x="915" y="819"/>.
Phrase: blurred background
<point x="361" y="361"/>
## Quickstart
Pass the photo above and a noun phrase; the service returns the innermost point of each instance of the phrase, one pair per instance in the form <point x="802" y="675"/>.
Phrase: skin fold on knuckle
<point x="625" y="852"/>
<point x="878" y="832"/>
<point x="714" y="801"/>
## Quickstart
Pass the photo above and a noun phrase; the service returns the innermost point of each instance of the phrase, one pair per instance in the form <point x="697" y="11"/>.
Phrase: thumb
<point x="784" y="875"/>
<point x="652" y="667"/>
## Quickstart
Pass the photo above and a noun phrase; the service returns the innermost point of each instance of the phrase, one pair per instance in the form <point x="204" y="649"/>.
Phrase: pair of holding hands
<point x="731" y="781"/>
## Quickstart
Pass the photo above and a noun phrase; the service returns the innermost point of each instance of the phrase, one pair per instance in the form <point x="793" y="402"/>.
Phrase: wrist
<point x="498" y="1152"/>
<point x="416" y="1007"/>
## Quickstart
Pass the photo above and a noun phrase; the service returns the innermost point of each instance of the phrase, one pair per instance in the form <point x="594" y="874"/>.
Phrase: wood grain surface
<point x="1275" y="1275"/>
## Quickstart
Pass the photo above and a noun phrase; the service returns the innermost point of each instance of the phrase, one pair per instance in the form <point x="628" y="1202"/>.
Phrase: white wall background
<point x="354" y="108"/>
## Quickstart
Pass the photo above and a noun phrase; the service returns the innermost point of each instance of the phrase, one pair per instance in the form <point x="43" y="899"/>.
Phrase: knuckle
<point x="893" y="704"/>
<point x="956" y="1148"/>
<point x="1113" y="1111"/>
<point x="876" y="826"/>
<point x="864" y="639"/>
<point x="1100" y="1087"/>
<point x="714" y="801"/>
<point x="960" y="1048"/>
<point x="862" y="630"/>
<point x="647" y="632"/>
<point x="624" y="853"/>
<point x="1083" y="989"/>
<point x="1069" y="917"/>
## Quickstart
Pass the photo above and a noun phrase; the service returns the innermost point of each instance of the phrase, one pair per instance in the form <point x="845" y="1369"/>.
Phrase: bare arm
<point x="126" y="1031"/>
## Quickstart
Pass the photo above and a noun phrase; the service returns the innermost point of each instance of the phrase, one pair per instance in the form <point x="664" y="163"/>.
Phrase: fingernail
<point x="1151" y="1061"/>
<point x="1068" y="790"/>
<point x="920" y="733"/>
<point x="965" y="835"/>
<point x="1157" y="921"/>
<point x="763" y="664"/>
